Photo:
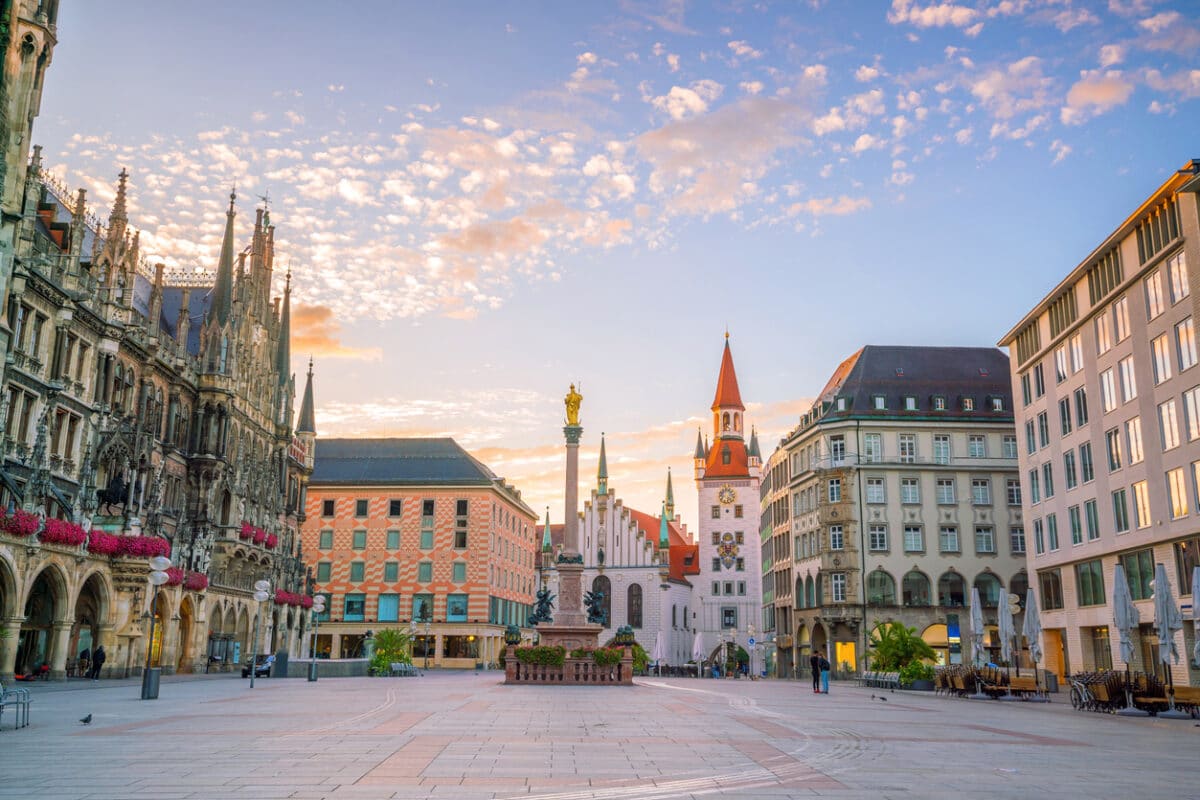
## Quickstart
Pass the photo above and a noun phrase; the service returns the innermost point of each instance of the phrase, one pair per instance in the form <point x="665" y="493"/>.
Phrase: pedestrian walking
<point x="814" y="663"/>
<point x="98" y="659"/>
<point x="85" y="662"/>
<point x="824" y="675"/>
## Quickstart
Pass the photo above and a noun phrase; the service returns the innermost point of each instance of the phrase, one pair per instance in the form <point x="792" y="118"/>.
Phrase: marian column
<point x="570" y="561"/>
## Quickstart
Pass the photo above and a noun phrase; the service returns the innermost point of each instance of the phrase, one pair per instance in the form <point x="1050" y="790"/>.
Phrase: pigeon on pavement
<point x="87" y="720"/>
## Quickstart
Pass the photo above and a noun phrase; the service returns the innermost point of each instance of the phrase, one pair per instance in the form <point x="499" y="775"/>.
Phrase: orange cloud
<point x="316" y="332"/>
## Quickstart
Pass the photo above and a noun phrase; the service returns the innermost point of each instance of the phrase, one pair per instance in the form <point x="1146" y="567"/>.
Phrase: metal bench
<point x="19" y="701"/>
<point x="401" y="670"/>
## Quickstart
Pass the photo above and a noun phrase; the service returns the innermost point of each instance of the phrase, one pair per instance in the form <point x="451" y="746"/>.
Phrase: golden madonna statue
<point x="573" y="400"/>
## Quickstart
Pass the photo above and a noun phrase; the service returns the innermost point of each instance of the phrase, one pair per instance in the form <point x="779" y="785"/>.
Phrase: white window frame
<point x="914" y="539"/>
<point x="907" y="484"/>
<point x="1128" y="379"/>
<point x="946" y="494"/>
<point x="1133" y="437"/>
<point x="1168" y="425"/>
<point x="876" y="490"/>
<point x="877" y="538"/>
<point x="1108" y="390"/>
<point x="1160" y="357"/>
<point x="1185" y="344"/>
<point x="1154" y="295"/>
<point x="981" y="492"/>
<point x="976" y="446"/>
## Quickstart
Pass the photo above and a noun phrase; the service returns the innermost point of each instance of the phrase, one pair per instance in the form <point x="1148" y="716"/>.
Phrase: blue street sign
<point x="752" y="641"/>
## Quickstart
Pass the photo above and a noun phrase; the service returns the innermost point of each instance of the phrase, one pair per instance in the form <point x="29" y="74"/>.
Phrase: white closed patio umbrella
<point x="1007" y="632"/>
<point x="1167" y="620"/>
<point x="1032" y="630"/>
<point x="660" y="651"/>
<point x="698" y="653"/>
<point x="977" y="656"/>
<point x="1196" y="613"/>
<point x="1125" y="620"/>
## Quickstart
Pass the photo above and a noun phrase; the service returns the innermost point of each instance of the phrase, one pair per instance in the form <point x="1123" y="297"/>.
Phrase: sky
<point x="484" y="202"/>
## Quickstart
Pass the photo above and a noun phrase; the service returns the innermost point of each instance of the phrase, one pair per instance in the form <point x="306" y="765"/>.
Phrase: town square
<point x="466" y="735"/>
<point x="629" y="399"/>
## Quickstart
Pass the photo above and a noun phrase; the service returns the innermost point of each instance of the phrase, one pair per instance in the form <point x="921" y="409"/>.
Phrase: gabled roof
<point x="680" y="548"/>
<point x="397" y="462"/>
<point x="728" y="395"/>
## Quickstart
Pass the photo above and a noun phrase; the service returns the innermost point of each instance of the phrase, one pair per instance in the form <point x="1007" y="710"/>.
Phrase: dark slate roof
<point x="396" y="462"/>
<point x="925" y="373"/>
<point x="197" y="306"/>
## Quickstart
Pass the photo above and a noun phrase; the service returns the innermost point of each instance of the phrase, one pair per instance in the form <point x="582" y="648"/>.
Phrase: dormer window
<point x="997" y="404"/>
<point x="939" y="403"/>
<point x="910" y="403"/>
<point x="879" y="403"/>
<point x="726" y="456"/>
<point x="968" y="404"/>
<point x="841" y="404"/>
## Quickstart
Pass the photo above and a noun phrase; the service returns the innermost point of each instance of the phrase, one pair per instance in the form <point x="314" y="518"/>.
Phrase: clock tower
<point x="728" y="475"/>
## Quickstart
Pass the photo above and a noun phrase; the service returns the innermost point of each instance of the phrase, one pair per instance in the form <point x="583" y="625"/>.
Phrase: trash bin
<point x="280" y="668"/>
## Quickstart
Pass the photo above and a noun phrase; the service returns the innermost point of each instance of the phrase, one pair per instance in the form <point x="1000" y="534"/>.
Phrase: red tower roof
<point x="727" y="395"/>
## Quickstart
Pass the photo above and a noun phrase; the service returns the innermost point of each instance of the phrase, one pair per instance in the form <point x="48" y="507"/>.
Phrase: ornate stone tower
<point x="728" y="476"/>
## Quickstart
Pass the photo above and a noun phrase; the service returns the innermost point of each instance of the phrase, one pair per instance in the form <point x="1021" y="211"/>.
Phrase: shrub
<point x="915" y="671"/>
<point x="896" y="646"/>
<point x="392" y="646"/>
<point x="641" y="660"/>
<point x="545" y="655"/>
<point x="602" y="656"/>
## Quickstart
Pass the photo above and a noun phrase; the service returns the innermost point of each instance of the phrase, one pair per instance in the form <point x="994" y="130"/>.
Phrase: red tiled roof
<point x="737" y="467"/>
<point x="728" y="394"/>
<point x="679" y="548"/>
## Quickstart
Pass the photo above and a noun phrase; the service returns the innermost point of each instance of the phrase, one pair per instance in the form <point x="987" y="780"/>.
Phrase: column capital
<point x="573" y="434"/>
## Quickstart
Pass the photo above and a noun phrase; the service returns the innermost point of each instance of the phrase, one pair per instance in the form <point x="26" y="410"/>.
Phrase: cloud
<point x="743" y="50"/>
<point x="316" y="332"/>
<point x="865" y="74"/>
<point x="1094" y="94"/>
<point x="1184" y="84"/>
<point x="1017" y="88"/>
<point x="866" y="142"/>
<point x="830" y="206"/>
<point x="1060" y="150"/>
<point x="682" y="102"/>
<point x="934" y="15"/>
<point x="1112" y="54"/>
<point x="751" y="87"/>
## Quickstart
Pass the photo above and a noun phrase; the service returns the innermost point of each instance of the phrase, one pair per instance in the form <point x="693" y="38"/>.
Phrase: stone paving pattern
<point x="465" y="736"/>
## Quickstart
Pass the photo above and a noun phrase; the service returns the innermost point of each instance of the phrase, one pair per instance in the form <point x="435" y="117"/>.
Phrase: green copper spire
<point x="670" y="506"/>
<point x="546" y="533"/>
<point x="602" y="472"/>
<point x="754" y="451"/>
<point x="664" y="540"/>
<point x="700" y="452"/>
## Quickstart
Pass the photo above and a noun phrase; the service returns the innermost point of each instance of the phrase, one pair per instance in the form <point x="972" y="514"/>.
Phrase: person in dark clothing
<point x="98" y="659"/>
<point x="824" y="675"/>
<point x="814" y="662"/>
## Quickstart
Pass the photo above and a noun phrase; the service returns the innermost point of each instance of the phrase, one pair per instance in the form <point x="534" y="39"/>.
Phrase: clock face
<point x="727" y="550"/>
<point x="726" y="495"/>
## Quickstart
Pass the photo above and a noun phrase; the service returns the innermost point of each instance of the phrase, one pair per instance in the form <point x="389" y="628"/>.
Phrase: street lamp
<point x="262" y="590"/>
<point x="158" y="576"/>
<point x="318" y="608"/>
<point x="426" y="617"/>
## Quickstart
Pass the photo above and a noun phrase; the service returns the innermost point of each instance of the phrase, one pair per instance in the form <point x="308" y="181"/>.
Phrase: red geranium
<point x="247" y="531"/>
<point x="196" y="581"/>
<point x="103" y="544"/>
<point x="60" y="531"/>
<point x="175" y="576"/>
<point x="272" y="540"/>
<point x="19" y="523"/>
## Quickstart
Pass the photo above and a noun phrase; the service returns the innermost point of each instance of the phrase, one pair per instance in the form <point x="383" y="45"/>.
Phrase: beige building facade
<point x="1108" y="413"/>
<point x="899" y="494"/>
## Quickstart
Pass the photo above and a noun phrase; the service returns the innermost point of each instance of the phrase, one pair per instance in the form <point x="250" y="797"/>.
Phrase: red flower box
<point x="105" y="544"/>
<point x="19" y="523"/>
<point x="60" y="531"/>
<point x="175" y="576"/>
<point x="272" y="540"/>
<point x="195" y="581"/>
<point x="306" y="601"/>
<point x="247" y="531"/>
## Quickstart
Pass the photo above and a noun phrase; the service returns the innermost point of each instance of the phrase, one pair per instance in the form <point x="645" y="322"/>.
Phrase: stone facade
<point x="142" y="412"/>
<point x="895" y="495"/>
<point x="1104" y="369"/>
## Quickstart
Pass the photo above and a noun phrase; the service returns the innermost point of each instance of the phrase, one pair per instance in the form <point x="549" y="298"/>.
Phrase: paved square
<point x="464" y="735"/>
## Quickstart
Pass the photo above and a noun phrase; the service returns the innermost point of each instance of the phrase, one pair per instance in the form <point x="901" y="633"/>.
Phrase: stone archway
<point x="187" y="615"/>
<point x="243" y="632"/>
<point x="820" y="640"/>
<point x="45" y="607"/>
<point x="162" y="617"/>
<point x="91" y="611"/>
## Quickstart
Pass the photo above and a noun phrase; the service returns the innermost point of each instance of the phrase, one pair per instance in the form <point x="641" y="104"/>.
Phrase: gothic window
<point x="635" y="605"/>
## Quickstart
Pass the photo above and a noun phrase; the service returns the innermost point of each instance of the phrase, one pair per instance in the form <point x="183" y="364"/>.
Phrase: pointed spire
<point x="700" y="448"/>
<point x="664" y="538"/>
<point x="754" y="451"/>
<point x="728" y="395"/>
<point x="283" y="355"/>
<point x="546" y="545"/>
<point x="602" y="471"/>
<point x="117" y="218"/>
<point x="670" y="506"/>
<point x="307" y="423"/>
<point x="223" y="290"/>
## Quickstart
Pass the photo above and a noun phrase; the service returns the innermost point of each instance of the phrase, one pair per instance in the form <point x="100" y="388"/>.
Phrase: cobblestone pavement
<point x="466" y="736"/>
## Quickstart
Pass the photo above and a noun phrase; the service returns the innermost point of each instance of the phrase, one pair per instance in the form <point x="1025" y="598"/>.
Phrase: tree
<point x="896" y="646"/>
<point x="392" y="646"/>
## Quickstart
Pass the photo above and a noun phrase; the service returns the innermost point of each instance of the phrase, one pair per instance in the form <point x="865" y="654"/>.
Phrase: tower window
<point x="726" y="456"/>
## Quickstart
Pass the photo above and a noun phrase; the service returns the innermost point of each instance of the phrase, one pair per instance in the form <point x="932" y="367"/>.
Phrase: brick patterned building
<point x="417" y="534"/>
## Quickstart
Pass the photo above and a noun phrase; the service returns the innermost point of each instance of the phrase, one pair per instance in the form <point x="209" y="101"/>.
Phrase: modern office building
<point x="899" y="493"/>
<point x="417" y="534"/>
<point x="1108" y="414"/>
